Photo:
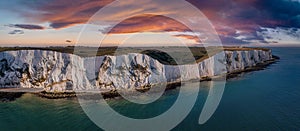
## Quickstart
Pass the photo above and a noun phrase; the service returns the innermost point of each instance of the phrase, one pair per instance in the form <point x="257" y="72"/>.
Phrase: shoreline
<point x="259" y="66"/>
<point x="10" y="94"/>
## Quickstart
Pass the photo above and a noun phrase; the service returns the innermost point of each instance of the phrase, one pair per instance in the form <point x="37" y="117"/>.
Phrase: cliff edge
<point x="59" y="72"/>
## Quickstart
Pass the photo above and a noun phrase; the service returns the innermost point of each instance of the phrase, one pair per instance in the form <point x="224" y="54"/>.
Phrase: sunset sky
<point x="59" y="22"/>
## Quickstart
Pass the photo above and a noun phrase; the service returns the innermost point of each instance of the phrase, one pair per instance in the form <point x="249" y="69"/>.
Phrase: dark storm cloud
<point x="287" y="12"/>
<point x="250" y="15"/>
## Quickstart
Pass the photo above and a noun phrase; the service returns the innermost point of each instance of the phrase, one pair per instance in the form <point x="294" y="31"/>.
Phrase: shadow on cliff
<point x="10" y="76"/>
<point x="11" y="72"/>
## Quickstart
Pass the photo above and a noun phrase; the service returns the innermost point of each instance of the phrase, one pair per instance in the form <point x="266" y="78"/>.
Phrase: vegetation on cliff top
<point x="166" y="55"/>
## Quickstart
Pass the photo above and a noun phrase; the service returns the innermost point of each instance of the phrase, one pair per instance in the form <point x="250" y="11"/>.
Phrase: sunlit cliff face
<point x="55" y="71"/>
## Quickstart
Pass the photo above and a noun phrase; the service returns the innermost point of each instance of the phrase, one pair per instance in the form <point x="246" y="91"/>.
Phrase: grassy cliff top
<point x="166" y="55"/>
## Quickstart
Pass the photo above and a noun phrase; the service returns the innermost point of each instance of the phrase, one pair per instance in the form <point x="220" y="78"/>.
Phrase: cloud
<point x="27" y="26"/>
<point x="148" y="23"/>
<point x="190" y="37"/>
<point x="232" y="40"/>
<point x="155" y="23"/>
<point x="248" y="16"/>
<point x="63" y="14"/>
<point x="285" y="12"/>
<point x="280" y="34"/>
<point x="235" y="20"/>
<point x="59" y="25"/>
<point x="14" y="32"/>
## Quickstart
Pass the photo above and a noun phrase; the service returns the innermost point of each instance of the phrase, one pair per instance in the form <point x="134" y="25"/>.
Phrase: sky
<point x="149" y="22"/>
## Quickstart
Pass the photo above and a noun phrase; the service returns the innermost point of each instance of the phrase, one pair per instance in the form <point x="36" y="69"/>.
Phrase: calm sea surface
<point x="261" y="100"/>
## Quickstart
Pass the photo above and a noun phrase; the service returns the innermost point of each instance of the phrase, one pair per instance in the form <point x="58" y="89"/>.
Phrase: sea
<point x="268" y="99"/>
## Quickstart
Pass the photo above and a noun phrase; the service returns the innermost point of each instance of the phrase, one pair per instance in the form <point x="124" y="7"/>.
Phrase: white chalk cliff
<point x="56" y="71"/>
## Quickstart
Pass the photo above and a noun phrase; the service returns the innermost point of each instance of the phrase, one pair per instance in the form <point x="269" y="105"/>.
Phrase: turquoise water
<point x="261" y="100"/>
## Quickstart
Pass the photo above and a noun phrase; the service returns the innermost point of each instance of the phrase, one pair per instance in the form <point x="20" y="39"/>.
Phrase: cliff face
<point x="41" y="69"/>
<point x="56" y="71"/>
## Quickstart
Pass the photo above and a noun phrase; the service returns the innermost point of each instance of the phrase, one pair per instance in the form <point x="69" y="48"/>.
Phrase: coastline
<point x="259" y="66"/>
<point x="11" y="94"/>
